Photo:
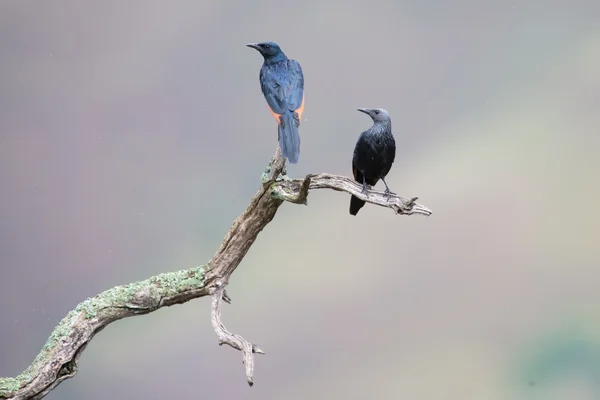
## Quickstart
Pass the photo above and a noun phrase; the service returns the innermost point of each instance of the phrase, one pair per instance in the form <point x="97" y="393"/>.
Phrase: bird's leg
<point x="364" y="189"/>
<point x="387" y="193"/>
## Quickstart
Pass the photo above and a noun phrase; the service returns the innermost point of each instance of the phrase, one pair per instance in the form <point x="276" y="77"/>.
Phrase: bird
<point x="374" y="154"/>
<point x="282" y="84"/>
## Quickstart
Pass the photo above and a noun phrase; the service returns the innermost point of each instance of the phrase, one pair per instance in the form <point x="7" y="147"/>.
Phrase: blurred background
<point x="133" y="133"/>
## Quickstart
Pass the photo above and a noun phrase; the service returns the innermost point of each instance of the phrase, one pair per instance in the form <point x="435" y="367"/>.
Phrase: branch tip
<point x="226" y="297"/>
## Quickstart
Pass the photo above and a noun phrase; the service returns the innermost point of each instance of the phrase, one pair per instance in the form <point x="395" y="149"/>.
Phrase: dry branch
<point x="58" y="358"/>
<point x="296" y="191"/>
<point x="236" y="341"/>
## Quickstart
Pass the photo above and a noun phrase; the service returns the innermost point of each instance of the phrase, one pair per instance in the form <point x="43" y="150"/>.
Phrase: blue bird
<point x="282" y="84"/>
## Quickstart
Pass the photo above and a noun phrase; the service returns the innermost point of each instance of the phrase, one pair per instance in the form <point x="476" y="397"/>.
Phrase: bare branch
<point x="58" y="358"/>
<point x="236" y="341"/>
<point x="296" y="190"/>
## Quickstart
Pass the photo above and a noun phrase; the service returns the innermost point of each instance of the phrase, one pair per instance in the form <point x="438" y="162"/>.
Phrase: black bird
<point x="373" y="155"/>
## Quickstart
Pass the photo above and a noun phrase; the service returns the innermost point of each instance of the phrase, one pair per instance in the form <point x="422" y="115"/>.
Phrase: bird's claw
<point x="387" y="193"/>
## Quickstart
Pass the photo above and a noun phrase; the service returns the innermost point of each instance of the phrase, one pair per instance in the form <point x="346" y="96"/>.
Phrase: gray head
<point x="377" y="114"/>
<point x="269" y="50"/>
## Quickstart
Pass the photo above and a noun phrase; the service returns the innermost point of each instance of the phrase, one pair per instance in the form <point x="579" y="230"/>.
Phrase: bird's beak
<point x="364" y="110"/>
<point x="254" y="46"/>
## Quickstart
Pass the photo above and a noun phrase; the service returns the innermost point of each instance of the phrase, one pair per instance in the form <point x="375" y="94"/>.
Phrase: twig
<point x="57" y="361"/>
<point x="234" y="340"/>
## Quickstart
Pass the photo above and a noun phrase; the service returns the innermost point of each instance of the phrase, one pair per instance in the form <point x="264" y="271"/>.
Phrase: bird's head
<point x="268" y="50"/>
<point x="377" y="114"/>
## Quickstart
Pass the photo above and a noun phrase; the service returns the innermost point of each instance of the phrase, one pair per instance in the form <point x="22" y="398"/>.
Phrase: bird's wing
<point x="283" y="87"/>
<point x="272" y="90"/>
<point x="358" y="177"/>
<point x="389" y="154"/>
<point x="355" y="171"/>
<point x="294" y="86"/>
<point x="363" y="159"/>
<point x="358" y="152"/>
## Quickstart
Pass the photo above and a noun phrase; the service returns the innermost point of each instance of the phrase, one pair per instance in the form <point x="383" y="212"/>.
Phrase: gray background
<point x="132" y="133"/>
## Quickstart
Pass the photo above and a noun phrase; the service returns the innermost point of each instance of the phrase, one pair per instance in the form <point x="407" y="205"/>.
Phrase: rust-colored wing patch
<point x="274" y="114"/>
<point x="300" y="110"/>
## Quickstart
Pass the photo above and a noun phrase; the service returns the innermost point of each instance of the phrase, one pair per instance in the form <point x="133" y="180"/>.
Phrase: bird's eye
<point x="376" y="111"/>
<point x="267" y="46"/>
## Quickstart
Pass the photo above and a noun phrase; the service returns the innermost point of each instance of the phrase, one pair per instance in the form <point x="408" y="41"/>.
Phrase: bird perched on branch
<point x="282" y="84"/>
<point x="374" y="154"/>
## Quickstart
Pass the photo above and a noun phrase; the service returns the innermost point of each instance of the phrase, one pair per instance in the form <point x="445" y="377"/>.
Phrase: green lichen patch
<point x="265" y="175"/>
<point x="164" y="285"/>
<point x="172" y="283"/>
<point x="284" y="178"/>
<point x="278" y="193"/>
<point x="9" y="386"/>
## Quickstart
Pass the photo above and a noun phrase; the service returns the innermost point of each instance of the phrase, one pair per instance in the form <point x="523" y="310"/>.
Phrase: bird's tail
<point x="289" y="138"/>
<point x="355" y="205"/>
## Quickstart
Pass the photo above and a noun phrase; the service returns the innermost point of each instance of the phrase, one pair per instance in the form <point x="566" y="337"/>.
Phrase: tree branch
<point x="236" y="341"/>
<point x="296" y="191"/>
<point x="58" y="358"/>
